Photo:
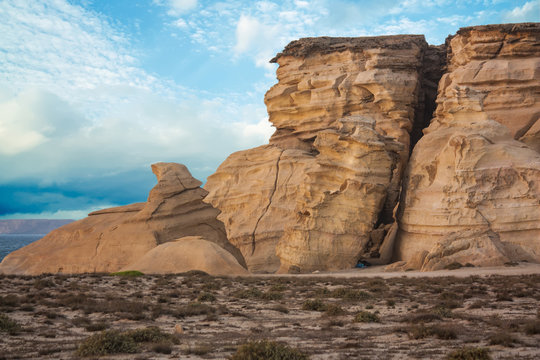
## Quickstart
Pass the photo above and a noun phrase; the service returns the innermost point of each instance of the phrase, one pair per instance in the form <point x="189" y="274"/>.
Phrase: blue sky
<point x="94" y="91"/>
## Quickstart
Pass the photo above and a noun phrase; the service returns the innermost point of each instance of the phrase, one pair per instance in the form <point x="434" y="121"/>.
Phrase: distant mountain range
<point x="31" y="226"/>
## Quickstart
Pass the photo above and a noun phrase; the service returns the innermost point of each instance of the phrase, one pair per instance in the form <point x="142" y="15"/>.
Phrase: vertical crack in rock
<point x="253" y="242"/>
<point x="98" y="243"/>
<point x="433" y="67"/>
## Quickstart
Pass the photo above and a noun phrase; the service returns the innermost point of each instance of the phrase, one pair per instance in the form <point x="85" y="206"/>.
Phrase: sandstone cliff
<point x="322" y="193"/>
<point x="335" y="184"/>
<point x="112" y="239"/>
<point x="472" y="189"/>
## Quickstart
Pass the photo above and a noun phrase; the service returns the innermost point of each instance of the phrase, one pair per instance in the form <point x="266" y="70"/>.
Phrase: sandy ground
<point x="357" y="314"/>
<point x="522" y="268"/>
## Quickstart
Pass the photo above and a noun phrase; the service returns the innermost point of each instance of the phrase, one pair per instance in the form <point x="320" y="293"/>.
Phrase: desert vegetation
<point x="197" y="316"/>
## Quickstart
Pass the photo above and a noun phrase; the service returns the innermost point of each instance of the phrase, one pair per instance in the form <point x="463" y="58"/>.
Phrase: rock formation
<point x="185" y="254"/>
<point x="322" y="193"/>
<point x="112" y="239"/>
<point x="472" y="189"/>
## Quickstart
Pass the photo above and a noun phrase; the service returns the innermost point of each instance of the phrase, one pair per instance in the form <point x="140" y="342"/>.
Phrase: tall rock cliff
<point x="472" y="189"/>
<point x="116" y="238"/>
<point x="322" y="193"/>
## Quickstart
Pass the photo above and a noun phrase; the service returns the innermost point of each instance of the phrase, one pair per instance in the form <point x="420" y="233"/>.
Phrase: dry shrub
<point x="8" y="325"/>
<point x="469" y="353"/>
<point x="267" y="350"/>
<point x="366" y="317"/>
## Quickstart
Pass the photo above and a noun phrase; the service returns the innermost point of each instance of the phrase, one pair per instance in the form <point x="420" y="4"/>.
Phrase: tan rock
<point x="343" y="109"/>
<point x="185" y="254"/>
<point x="471" y="187"/>
<point x="178" y="329"/>
<point x="110" y="239"/>
<point x="493" y="73"/>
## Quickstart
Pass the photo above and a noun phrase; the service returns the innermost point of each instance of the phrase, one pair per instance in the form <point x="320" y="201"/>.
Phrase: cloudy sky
<point x="94" y="91"/>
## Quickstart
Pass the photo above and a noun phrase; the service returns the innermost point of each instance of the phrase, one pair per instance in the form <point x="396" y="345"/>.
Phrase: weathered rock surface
<point x="343" y="109"/>
<point x="111" y="239"/>
<point x="473" y="180"/>
<point x="185" y="254"/>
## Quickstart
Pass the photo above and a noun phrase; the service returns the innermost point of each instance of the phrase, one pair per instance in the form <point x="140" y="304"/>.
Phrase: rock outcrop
<point x="112" y="239"/>
<point x="185" y="254"/>
<point x="322" y="193"/>
<point x="472" y="189"/>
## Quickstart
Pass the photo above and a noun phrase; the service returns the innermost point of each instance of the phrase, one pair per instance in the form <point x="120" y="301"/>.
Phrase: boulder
<point x="185" y="254"/>
<point x="110" y="239"/>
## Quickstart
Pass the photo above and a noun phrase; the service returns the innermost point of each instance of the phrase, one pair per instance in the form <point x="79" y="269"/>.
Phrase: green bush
<point x="469" y="353"/>
<point x="250" y="293"/>
<point x="206" y="296"/>
<point x="149" y="334"/>
<point x="194" y="309"/>
<point x="350" y="294"/>
<point x="419" y="331"/>
<point x="108" y="342"/>
<point x="116" y="342"/>
<point x="314" y="305"/>
<point x="334" y="310"/>
<point x="8" y="325"/>
<point x="267" y="350"/>
<point x="366" y="316"/>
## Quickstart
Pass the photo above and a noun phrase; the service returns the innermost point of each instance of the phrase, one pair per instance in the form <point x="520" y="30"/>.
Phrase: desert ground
<point x="357" y="314"/>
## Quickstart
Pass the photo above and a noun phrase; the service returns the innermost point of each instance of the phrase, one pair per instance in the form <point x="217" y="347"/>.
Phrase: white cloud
<point x="31" y="119"/>
<point x="177" y="7"/>
<point x="455" y="20"/>
<point x="530" y="11"/>
<point x="75" y="102"/>
<point x="144" y="129"/>
<point x="403" y="26"/>
<point x="301" y="3"/>
<point x="180" y="23"/>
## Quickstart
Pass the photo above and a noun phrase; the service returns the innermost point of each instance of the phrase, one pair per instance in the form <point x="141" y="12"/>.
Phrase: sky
<point x="92" y="92"/>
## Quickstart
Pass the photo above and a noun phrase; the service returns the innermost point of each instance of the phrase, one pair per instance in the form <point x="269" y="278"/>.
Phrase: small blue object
<point x="362" y="264"/>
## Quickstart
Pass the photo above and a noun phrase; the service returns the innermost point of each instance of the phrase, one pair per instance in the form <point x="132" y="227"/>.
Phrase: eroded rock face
<point x="343" y="109"/>
<point x="476" y="172"/>
<point x="111" y="239"/>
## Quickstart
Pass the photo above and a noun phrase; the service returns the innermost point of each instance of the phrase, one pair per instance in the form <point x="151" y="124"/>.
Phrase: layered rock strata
<point x="322" y="193"/>
<point x="472" y="189"/>
<point x="112" y="239"/>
